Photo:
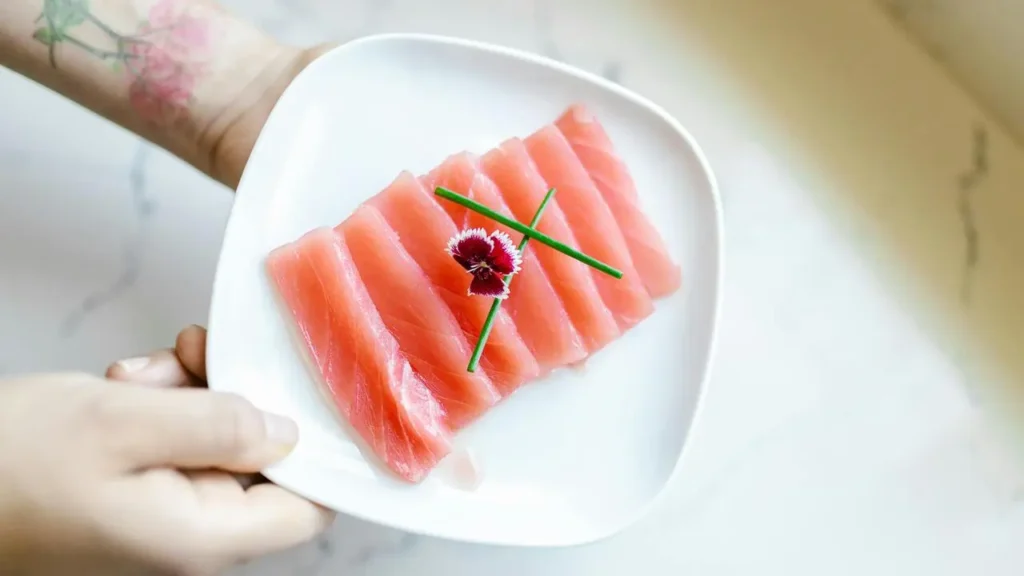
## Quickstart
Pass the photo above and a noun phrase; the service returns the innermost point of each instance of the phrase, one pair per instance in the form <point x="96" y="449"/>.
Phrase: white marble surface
<point x="979" y="42"/>
<point x="860" y="414"/>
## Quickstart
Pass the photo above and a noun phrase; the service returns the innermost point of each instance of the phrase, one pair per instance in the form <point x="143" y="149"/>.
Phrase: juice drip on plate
<point x="579" y="367"/>
<point x="463" y="470"/>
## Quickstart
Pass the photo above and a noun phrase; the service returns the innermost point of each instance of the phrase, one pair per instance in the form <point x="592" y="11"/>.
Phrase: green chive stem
<point x="485" y="332"/>
<point x="527" y="231"/>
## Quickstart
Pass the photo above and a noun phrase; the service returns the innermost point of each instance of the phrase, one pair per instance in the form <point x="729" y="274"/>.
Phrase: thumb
<point x="194" y="428"/>
<point x="161" y="369"/>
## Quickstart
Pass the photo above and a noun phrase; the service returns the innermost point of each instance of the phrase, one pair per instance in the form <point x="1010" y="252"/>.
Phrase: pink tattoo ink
<point x="164" y="58"/>
<point x="166" y="61"/>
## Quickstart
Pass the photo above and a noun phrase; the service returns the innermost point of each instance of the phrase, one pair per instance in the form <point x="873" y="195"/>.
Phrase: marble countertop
<point x="860" y="416"/>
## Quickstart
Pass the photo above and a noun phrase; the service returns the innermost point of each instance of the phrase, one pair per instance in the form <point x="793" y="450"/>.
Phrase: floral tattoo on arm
<point x="163" y="57"/>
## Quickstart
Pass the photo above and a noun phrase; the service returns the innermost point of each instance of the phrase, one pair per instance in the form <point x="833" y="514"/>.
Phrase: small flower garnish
<point x="490" y="259"/>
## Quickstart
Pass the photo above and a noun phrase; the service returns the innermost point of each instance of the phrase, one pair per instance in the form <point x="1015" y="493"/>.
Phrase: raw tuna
<point x="415" y="314"/>
<point x="368" y="378"/>
<point x="660" y="275"/>
<point x="538" y="312"/>
<point x="592" y="223"/>
<point x="424" y="229"/>
<point x="383" y="310"/>
<point x="523" y="189"/>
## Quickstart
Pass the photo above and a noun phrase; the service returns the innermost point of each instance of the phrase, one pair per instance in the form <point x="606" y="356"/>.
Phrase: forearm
<point x="179" y="73"/>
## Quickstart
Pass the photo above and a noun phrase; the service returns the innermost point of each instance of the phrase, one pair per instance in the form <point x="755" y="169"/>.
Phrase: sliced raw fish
<point x="383" y="311"/>
<point x="455" y="178"/>
<point x="588" y="138"/>
<point x="413" y="311"/>
<point x="424" y="229"/>
<point x="523" y="189"/>
<point x="592" y="223"/>
<point x="538" y="312"/>
<point x="360" y="364"/>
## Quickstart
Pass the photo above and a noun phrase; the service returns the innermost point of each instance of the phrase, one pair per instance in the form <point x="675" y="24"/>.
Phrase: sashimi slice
<point x="538" y="312"/>
<point x="588" y="138"/>
<point x="593" y="224"/>
<point x="424" y="229"/>
<point x="415" y="314"/>
<point x="369" y="380"/>
<point x="454" y="179"/>
<point x="522" y="188"/>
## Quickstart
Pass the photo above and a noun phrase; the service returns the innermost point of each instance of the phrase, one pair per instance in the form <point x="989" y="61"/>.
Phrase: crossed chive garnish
<point x="504" y="265"/>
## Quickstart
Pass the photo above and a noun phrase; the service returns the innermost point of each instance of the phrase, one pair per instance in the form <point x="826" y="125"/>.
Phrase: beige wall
<point x="981" y="42"/>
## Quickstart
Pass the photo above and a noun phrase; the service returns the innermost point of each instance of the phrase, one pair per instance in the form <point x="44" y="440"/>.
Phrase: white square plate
<point x="566" y="460"/>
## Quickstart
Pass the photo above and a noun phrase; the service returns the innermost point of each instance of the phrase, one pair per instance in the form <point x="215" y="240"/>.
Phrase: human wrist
<point x="222" y="148"/>
<point x="223" y="78"/>
<point x="179" y="73"/>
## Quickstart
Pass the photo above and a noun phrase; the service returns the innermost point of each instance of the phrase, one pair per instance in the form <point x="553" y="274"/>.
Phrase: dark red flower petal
<point x="470" y="248"/>
<point x="504" y="257"/>
<point x="487" y="283"/>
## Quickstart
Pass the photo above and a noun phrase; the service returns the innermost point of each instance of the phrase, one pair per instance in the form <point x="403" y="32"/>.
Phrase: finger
<point x="191" y="349"/>
<point x="248" y="480"/>
<point x="161" y="369"/>
<point x="243" y="481"/>
<point x="193" y="428"/>
<point x="216" y="486"/>
<point x="270" y="519"/>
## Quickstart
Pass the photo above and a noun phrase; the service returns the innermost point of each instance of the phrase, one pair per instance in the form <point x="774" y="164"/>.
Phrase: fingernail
<point x="134" y="364"/>
<point x="281" y="430"/>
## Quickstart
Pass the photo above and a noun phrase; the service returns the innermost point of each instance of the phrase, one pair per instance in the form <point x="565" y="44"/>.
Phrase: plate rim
<point x="718" y="235"/>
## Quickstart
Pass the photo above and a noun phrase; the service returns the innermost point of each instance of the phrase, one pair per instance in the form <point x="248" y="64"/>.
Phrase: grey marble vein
<point x="144" y="207"/>
<point x="544" y="27"/>
<point x="327" y="556"/>
<point x="376" y="11"/>
<point x="324" y="545"/>
<point x="371" y="553"/>
<point x="904" y="12"/>
<point x="325" y="550"/>
<point x="612" y="70"/>
<point x="968" y="183"/>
